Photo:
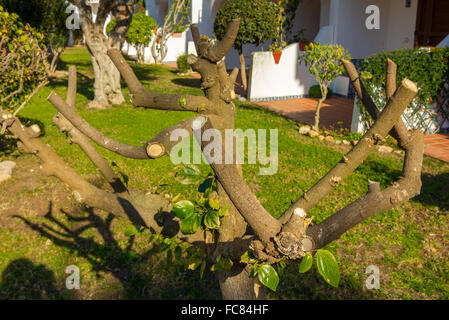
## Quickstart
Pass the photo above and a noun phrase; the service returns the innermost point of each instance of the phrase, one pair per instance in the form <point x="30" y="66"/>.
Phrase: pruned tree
<point x="107" y="87"/>
<point x="248" y="232"/>
<point x="176" y="20"/>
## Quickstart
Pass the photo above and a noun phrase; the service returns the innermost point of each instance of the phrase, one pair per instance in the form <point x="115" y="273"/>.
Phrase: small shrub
<point x="315" y="92"/>
<point x="139" y="33"/>
<point x="324" y="62"/>
<point x="183" y="66"/>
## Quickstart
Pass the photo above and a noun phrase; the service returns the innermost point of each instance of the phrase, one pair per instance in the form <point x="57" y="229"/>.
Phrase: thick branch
<point x="389" y="116"/>
<point x="98" y="137"/>
<point x="263" y="224"/>
<point x="141" y="97"/>
<point x="72" y="86"/>
<point x="84" y="143"/>
<point x="217" y="52"/>
<point x="400" y="131"/>
<point x="375" y="201"/>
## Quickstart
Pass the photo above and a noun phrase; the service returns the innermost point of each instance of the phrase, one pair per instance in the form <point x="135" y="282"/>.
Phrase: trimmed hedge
<point x="428" y="69"/>
<point x="183" y="66"/>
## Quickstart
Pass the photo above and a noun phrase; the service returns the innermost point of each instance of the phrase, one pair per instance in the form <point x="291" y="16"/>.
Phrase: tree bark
<point x="243" y="69"/>
<point x="237" y="285"/>
<point x="107" y="88"/>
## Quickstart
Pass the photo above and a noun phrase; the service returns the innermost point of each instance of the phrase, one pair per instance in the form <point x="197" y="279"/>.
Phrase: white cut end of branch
<point x="155" y="150"/>
<point x="410" y="85"/>
<point x="77" y="196"/>
<point x="306" y="244"/>
<point x="198" y="123"/>
<point x="300" y="212"/>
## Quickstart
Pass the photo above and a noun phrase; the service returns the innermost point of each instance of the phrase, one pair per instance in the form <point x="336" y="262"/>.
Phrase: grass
<point x="408" y="243"/>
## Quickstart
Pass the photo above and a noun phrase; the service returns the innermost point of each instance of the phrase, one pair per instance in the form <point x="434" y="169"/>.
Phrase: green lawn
<point x="409" y="243"/>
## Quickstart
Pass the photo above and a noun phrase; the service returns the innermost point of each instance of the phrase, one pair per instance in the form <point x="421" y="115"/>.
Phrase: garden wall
<point x="287" y="80"/>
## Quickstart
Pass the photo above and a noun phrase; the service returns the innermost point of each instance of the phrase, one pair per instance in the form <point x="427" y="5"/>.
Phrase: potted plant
<point x="177" y="31"/>
<point x="276" y="50"/>
<point x="303" y="43"/>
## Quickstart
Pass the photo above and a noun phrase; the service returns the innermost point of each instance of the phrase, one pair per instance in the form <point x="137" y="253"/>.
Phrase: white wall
<point x="288" y="78"/>
<point x="397" y="26"/>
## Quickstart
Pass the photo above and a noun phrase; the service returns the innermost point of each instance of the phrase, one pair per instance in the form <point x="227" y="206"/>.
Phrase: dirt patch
<point x="30" y="194"/>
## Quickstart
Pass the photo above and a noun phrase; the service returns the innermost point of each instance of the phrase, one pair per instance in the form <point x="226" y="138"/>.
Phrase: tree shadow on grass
<point x="142" y="276"/>
<point x="85" y="85"/>
<point x="187" y="82"/>
<point x="22" y="280"/>
<point x="434" y="190"/>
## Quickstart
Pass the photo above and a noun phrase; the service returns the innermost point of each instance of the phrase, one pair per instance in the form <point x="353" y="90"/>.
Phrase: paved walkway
<point x="335" y="112"/>
<point x="437" y="146"/>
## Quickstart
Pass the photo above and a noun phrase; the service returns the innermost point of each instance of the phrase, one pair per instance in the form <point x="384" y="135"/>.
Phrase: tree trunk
<point x="243" y="69"/>
<point x="237" y="285"/>
<point x="107" y="88"/>
<point x="316" y="126"/>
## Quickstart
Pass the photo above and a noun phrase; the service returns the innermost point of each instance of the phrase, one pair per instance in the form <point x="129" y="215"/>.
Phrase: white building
<point x="326" y="21"/>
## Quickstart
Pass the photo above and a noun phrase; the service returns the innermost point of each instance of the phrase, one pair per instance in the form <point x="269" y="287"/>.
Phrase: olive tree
<point x="259" y="24"/>
<point x="325" y="65"/>
<point x="107" y="87"/>
<point x="236" y="234"/>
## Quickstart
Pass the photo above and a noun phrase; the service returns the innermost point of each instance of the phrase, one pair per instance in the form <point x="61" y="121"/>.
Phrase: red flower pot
<point x="176" y="35"/>
<point x="277" y="56"/>
<point x="303" y="45"/>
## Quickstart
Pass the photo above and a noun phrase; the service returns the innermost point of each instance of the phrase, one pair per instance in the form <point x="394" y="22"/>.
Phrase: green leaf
<point x="203" y="267"/>
<point x="306" y="263"/>
<point x="248" y="258"/>
<point x="183" y="209"/>
<point x="328" y="267"/>
<point x="182" y="101"/>
<point x="223" y="211"/>
<point x="190" y="224"/>
<point x="188" y="174"/>
<point x="131" y="231"/>
<point x="212" y="220"/>
<point x="214" y="203"/>
<point x="268" y="276"/>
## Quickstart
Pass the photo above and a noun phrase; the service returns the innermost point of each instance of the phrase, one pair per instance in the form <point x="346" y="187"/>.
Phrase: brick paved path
<point x="335" y="112"/>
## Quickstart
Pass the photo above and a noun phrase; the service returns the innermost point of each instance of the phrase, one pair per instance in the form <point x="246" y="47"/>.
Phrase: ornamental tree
<point x="324" y="63"/>
<point x="235" y="234"/>
<point x="176" y="20"/>
<point x="139" y="33"/>
<point x="23" y="62"/>
<point x="259" y="23"/>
